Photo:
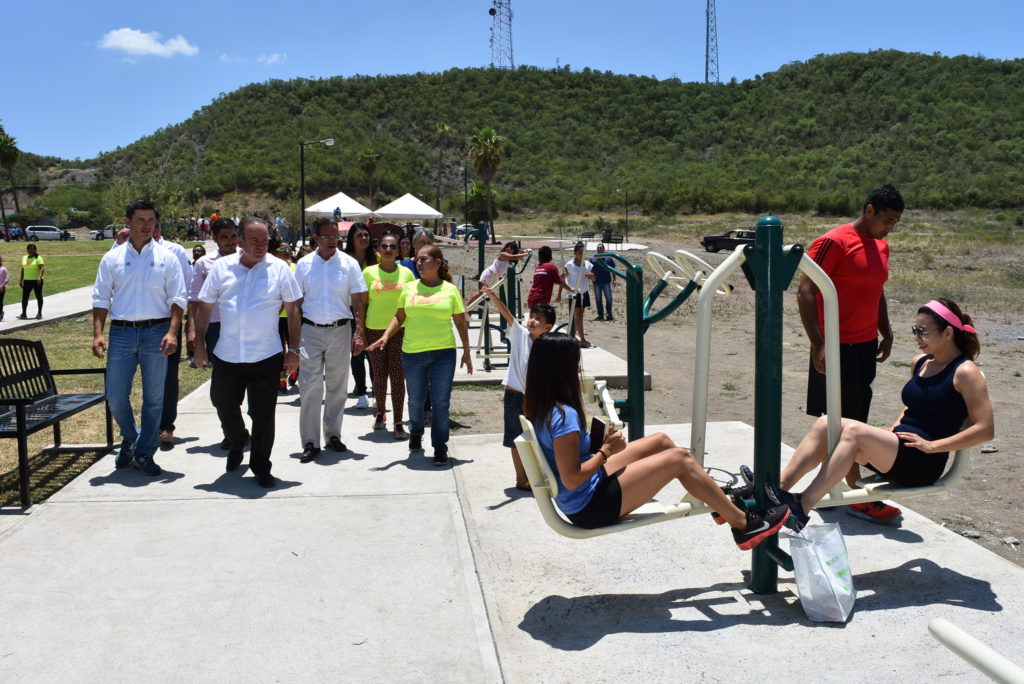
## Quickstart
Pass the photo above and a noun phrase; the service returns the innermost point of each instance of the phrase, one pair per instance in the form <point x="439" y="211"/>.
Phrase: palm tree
<point x="485" y="150"/>
<point x="367" y="162"/>
<point x="442" y="132"/>
<point x="9" y="154"/>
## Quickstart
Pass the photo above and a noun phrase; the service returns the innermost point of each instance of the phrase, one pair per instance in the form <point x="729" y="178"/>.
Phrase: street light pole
<point x="302" y="181"/>
<point x="626" y="193"/>
<point x="465" y="194"/>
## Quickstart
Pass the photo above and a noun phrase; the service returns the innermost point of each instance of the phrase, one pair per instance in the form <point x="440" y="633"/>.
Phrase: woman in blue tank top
<point x="944" y="389"/>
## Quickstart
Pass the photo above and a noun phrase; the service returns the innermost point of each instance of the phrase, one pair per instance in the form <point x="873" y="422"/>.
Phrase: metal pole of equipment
<point x="302" y="192"/>
<point x="771" y="271"/>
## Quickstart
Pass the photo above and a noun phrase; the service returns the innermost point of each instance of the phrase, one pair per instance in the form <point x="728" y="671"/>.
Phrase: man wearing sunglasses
<point x="856" y="257"/>
<point x="333" y="292"/>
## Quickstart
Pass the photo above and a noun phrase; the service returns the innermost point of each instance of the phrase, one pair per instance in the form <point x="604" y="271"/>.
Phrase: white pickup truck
<point x="108" y="232"/>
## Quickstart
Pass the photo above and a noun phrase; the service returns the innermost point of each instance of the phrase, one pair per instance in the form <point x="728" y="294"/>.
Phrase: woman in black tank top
<point x="945" y="388"/>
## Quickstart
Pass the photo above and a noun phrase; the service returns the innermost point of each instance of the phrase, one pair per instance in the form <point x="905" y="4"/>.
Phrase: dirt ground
<point x="982" y="506"/>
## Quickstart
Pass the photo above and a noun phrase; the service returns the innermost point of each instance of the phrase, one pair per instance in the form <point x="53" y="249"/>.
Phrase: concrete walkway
<point x="374" y="565"/>
<point x="56" y="307"/>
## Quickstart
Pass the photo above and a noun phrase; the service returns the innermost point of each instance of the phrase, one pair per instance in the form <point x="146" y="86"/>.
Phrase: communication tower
<point x="501" y="35"/>
<point x="711" y="46"/>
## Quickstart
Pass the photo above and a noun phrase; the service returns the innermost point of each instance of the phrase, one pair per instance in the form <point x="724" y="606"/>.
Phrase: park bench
<point x="30" y="402"/>
<point x="615" y="239"/>
<point x="587" y="236"/>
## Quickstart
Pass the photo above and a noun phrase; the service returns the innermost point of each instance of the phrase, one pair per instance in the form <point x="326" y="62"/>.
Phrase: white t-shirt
<point x="522" y="343"/>
<point x="250" y="302"/>
<point x="577" y="277"/>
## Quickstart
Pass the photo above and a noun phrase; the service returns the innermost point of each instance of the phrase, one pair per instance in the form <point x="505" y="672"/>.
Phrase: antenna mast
<point x="501" y="35"/>
<point x="711" y="46"/>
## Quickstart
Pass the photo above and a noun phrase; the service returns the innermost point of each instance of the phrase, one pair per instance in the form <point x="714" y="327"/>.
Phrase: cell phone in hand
<point x="597" y="431"/>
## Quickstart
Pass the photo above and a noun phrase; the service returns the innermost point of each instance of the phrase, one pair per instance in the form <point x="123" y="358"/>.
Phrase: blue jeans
<point x="129" y="348"/>
<point x="603" y="295"/>
<point x="433" y="372"/>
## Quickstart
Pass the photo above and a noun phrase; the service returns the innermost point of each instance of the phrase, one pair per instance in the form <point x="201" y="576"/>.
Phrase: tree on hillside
<point x="9" y="154"/>
<point x="442" y="132"/>
<point x="485" y="151"/>
<point x="367" y="162"/>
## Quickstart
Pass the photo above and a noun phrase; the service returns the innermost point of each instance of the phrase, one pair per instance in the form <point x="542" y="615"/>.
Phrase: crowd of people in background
<point x="265" y="317"/>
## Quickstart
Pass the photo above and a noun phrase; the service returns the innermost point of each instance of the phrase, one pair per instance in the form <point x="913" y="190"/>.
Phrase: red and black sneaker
<point x="875" y="511"/>
<point x="760" y="526"/>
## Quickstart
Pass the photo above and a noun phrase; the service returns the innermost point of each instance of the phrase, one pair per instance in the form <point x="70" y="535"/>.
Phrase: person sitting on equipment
<point x="599" y="484"/>
<point x="945" y="387"/>
<point x="508" y="255"/>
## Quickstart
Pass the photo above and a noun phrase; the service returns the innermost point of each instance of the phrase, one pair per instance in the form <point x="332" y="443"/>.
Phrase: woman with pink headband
<point x="945" y="387"/>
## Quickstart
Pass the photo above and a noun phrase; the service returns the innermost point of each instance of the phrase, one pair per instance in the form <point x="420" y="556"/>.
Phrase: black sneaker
<point x="147" y="465"/>
<point x="760" y="526"/>
<point x="336" y="444"/>
<point x="309" y="453"/>
<point x="441" y="456"/>
<point x="416" y="443"/>
<point x="126" y="456"/>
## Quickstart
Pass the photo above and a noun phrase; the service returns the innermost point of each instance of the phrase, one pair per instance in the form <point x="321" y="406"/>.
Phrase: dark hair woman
<point x="384" y="284"/>
<point x="945" y="388"/>
<point x="427" y="307"/>
<point x="357" y="246"/>
<point x="600" y="483"/>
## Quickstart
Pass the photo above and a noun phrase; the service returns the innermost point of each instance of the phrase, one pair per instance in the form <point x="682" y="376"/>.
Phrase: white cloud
<point x="136" y="42"/>
<point x="273" y="58"/>
<point x="225" y="58"/>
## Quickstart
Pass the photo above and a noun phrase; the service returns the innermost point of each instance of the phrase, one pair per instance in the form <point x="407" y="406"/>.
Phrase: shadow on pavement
<point x="234" y="484"/>
<point x="130" y="477"/>
<point x="574" y="624"/>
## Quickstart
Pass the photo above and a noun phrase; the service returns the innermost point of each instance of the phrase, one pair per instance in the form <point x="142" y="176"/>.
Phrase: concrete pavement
<point x="373" y="564"/>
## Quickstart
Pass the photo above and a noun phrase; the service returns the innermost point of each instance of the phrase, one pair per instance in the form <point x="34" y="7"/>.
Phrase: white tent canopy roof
<point x="348" y="207"/>
<point x="408" y="206"/>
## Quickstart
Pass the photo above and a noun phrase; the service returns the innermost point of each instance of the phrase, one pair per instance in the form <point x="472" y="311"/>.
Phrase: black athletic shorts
<point x="857" y="372"/>
<point x="582" y="300"/>
<point x="913" y="467"/>
<point x="604" y="506"/>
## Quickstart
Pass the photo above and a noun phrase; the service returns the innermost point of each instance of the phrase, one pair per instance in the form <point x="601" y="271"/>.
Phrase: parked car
<point x="108" y="233"/>
<point x="730" y="239"/>
<point x="34" y="233"/>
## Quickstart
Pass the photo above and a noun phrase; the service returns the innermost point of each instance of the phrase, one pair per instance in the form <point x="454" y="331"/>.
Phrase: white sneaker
<point x="361" y="403"/>
<point x="372" y="400"/>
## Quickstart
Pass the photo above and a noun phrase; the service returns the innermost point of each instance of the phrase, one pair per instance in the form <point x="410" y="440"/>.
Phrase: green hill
<point x="810" y="136"/>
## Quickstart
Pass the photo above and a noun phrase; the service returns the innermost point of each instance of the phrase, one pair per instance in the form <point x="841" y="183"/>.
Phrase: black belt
<point x="141" y="324"/>
<point x="333" y="324"/>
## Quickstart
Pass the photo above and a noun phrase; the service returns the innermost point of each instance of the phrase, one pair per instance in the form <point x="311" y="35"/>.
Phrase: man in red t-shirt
<point x="856" y="257"/>
<point x="545" y="277"/>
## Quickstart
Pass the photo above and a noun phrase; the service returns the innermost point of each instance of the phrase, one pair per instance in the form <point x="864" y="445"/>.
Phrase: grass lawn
<point x="67" y="345"/>
<point x="69" y="265"/>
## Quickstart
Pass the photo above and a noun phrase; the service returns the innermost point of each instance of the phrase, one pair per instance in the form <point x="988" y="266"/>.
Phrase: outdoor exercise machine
<point x="509" y="289"/>
<point x="688" y="275"/>
<point x="769" y="268"/>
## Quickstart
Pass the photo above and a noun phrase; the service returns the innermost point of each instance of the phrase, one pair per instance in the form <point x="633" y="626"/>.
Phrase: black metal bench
<point x="587" y="236"/>
<point x="29" y="402"/>
<point x="614" y="239"/>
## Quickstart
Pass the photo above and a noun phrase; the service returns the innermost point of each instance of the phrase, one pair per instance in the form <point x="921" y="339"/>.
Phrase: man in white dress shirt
<point x="249" y="287"/>
<point x="171" y="384"/>
<point x="140" y="285"/>
<point x="333" y="293"/>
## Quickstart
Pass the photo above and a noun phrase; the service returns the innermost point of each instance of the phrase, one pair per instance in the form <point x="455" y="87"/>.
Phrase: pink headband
<point x="949" y="316"/>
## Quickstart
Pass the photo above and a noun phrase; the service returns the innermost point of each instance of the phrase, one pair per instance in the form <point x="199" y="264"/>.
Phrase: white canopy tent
<point x="348" y="207"/>
<point x="408" y="206"/>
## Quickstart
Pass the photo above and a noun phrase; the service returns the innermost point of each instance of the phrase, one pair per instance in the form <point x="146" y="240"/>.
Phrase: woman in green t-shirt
<point x="384" y="283"/>
<point x="427" y="307"/>
<point x="32" y="269"/>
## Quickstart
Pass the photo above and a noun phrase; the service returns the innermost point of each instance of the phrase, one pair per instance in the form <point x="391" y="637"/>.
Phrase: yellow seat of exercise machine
<point x="545" y="488"/>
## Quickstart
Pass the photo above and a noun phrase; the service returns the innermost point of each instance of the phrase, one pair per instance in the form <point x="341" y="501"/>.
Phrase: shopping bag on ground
<point x="822" y="568"/>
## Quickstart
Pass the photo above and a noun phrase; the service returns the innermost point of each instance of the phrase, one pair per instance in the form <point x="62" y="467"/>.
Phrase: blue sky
<point x="80" y="78"/>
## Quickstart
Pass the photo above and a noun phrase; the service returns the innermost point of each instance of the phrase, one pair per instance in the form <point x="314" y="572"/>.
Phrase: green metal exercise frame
<point x="769" y="269"/>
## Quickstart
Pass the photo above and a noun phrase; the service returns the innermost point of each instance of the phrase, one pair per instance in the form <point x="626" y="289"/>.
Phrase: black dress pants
<point x="228" y="387"/>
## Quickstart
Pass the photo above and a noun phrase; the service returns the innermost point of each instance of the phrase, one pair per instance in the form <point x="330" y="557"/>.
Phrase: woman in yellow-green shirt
<point x="384" y="283"/>
<point x="427" y="307"/>
<point x="32" y="269"/>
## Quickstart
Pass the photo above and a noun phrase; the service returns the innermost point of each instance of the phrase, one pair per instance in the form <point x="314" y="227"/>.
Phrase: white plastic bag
<point x="824" y="581"/>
